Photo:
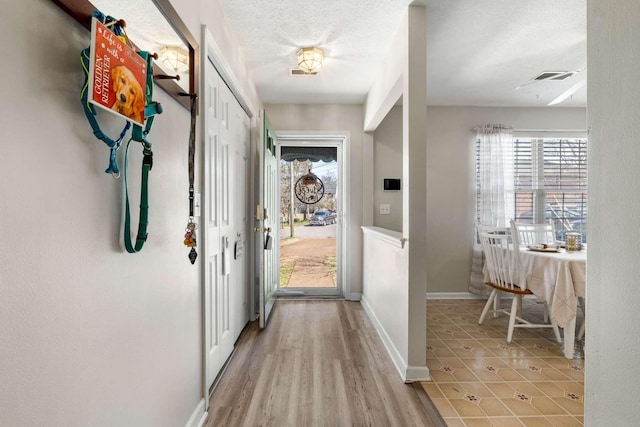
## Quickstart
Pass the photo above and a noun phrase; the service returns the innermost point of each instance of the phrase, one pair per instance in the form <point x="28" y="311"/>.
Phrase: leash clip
<point x="148" y="160"/>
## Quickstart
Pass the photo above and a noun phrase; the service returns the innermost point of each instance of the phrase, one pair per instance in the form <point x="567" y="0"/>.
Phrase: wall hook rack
<point x="82" y="11"/>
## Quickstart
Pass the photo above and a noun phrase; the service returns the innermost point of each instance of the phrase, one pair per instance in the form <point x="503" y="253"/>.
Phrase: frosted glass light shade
<point x="175" y="58"/>
<point x="310" y="59"/>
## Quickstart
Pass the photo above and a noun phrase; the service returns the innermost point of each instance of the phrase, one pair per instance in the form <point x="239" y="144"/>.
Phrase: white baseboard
<point x="417" y="373"/>
<point x="354" y="296"/>
<point x="199" y="415"/>
<point x="454" y="295"/>
<point x="396" y="357"/>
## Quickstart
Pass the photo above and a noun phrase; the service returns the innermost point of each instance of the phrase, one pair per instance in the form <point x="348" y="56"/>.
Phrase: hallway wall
<point x="387" y="159"/>
<point x="91" y="335"/>
<point x="334" y="117"/>
<point x="612" y="340"/>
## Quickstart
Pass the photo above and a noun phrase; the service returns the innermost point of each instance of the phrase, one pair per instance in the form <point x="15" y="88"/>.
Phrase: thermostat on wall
<point x="391" y="184"/>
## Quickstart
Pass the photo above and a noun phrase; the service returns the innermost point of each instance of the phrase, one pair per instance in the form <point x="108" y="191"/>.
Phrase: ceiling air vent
<point x="553" y="75"/>
<point x="299" y="72"/>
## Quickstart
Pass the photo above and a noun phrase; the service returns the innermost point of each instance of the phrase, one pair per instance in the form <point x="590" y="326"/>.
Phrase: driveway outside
<point x="309" y="258"/>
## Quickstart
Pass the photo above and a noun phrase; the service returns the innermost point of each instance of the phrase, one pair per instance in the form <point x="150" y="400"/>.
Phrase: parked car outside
<point x="322" y="218"/>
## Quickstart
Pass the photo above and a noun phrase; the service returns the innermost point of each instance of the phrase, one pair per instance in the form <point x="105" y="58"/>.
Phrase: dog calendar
<point x="117" y="75"/>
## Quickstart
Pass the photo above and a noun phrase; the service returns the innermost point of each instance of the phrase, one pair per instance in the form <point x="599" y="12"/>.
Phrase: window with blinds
<point x="551" y="182"/>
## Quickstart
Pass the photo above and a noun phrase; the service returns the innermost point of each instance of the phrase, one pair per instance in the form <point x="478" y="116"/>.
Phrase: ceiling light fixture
<point x="175" y="58"/>
<point x="310" y="59"/>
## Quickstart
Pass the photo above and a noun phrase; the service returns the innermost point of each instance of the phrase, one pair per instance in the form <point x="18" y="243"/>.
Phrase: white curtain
<point x="495" y="189"/>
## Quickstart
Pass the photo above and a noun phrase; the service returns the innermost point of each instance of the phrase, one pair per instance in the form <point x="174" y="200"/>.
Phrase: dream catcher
<point x="309" y="189"/>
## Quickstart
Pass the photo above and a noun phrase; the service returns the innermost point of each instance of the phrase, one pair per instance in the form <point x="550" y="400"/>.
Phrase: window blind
<point x="550" y="177"/>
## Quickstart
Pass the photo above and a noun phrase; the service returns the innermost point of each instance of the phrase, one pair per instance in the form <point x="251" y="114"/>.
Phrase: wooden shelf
<point x="82" y="12"/>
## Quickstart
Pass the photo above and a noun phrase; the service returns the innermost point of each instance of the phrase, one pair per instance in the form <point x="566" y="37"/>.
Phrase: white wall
<point x="334" y="117"/>
<point x="388" y="86"/>
<point x="90" y="335"/>
<point x="612" y="339"/>
<point x="387" y="154"/>
<point x="451" y="185"/>
<point x="196" y="13"/>
<point x="414" y="177"/>
<point x="385" y="291"/>
<point x="413" y="68"/>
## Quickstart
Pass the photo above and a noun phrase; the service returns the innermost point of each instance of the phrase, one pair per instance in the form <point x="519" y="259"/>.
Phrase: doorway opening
<point x="310" y="207"/>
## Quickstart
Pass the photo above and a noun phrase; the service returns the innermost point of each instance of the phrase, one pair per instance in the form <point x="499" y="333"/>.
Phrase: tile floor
<point x="481" y="380"/>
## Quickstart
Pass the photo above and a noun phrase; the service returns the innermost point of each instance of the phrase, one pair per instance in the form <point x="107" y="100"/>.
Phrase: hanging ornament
<point x="190" y="240"/>
<point x="309" y="189"/>
<point x="193" y="255"/>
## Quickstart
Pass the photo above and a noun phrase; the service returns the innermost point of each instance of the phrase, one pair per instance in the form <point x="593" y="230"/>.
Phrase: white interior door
<point x="240" y="209"/>
<point x="267" y="219"/>
<point x="224" y="221"/>
<point x="227" y="144"/>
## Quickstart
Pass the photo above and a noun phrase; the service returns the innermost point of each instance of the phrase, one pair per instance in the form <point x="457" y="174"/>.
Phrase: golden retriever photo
<point x="129" y="94"/>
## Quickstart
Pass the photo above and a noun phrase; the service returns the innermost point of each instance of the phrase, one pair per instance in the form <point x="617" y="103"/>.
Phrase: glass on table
<point x="573" y="241"/>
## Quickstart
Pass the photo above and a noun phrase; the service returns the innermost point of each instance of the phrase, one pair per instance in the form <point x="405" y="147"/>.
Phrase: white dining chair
<point x="536" y="234"/>
<point x="504" y="273"/>
<point x="583" y="307"/>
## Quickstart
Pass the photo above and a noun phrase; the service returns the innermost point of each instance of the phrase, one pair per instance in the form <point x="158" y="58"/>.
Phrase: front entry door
<point x="267" y="223"/>
<point x="310" y="252"/>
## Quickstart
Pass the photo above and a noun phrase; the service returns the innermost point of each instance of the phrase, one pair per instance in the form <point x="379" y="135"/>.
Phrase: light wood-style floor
<point x="318" y="363"/>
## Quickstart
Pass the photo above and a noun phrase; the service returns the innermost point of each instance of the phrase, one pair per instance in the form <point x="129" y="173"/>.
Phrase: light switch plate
<point x="385" y="209"/>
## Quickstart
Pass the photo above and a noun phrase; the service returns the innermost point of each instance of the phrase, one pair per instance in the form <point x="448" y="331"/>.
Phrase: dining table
<point x="559" y="278"/>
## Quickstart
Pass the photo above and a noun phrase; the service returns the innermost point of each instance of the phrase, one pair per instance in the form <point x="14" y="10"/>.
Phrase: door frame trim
<point x="341" y="140"/>
<point x="265" y="258"/>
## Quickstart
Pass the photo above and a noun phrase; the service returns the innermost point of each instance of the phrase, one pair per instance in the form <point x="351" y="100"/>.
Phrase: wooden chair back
<point x="502" y="266"/>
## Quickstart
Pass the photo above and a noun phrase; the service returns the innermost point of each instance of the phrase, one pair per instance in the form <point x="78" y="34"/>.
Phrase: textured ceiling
<point x="478" y="51"/>
<point x="354" y="34"/>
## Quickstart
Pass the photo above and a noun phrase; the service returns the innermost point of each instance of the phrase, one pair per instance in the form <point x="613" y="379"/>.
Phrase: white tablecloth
<point x="559" y="279"/>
